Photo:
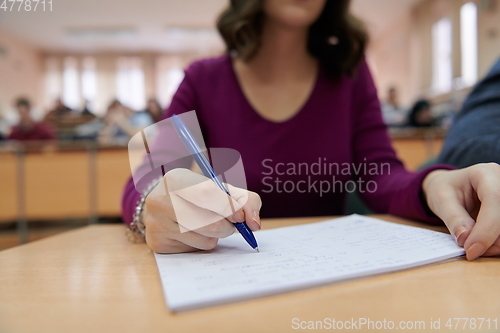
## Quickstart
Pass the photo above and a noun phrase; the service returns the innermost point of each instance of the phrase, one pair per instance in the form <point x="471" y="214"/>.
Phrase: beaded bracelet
<point x="136" y="231"/>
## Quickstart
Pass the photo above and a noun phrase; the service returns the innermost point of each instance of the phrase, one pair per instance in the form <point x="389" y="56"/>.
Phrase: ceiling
<point x="91" y="26"/>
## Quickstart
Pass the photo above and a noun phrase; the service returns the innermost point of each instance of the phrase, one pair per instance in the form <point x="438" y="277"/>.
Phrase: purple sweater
<point x="304" y="166"/>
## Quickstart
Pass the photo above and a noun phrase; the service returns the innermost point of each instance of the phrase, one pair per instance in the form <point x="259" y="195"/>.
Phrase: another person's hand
<point x="197" y="200"/>
<point x="468" y="201"/>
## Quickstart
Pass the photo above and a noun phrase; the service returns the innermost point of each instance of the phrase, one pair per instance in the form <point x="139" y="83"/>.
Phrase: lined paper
<point x="298" y="257"/>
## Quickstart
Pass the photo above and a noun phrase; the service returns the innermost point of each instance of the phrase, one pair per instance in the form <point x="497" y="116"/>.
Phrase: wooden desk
<point x="415" y="146"/>
<point x="415" y="152"/>
<point x="67" y="182"/>
<point x="93" y="280"/>
<point x="8" y="193"/>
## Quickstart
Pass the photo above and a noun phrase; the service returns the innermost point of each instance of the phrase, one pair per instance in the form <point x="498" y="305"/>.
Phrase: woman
<point x="296" y="90"/>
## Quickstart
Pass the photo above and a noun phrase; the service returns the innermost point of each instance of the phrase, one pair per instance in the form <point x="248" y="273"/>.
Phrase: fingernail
<point x="474" y="251"/>
<point x="239" y="216"/>
<point x="458" y="232"/>
<point x="256" y="218"/>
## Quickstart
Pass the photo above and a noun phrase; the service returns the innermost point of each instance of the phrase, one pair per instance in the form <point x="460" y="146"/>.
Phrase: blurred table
<point x="93" y="280"/>
<point x="62" y="180"/>
<point x="83" y="179"/>
<point x="416" y="146"/>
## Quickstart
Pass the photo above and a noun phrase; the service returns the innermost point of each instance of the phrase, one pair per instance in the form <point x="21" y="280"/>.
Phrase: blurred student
<point x="68" y="121"/>
<point x="28" y="128"/>
<point x="59" y="112"/>
<point x="116" y="124"/>
<point x="154" y="110"/>
<point x="392" y="112"/>
<point x="87" y="112"/>
<point x="475" y="134"/>
<point x="420" y="115"/>
<point x="121" y="123"/>
<point x="294" y="89"/>
<point x="4" y="128"/>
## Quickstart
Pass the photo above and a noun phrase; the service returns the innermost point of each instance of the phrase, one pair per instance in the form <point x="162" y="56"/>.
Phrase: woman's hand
<point x="188" y="212"/>
<point x="468" y="201"/>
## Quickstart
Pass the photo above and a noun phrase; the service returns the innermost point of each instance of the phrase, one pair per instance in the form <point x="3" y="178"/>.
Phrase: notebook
<point x="298" y="257"/>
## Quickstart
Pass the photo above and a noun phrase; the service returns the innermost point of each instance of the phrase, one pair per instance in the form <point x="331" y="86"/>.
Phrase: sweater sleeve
<point x="389" y="187"/>
<point x="184" y="100"/>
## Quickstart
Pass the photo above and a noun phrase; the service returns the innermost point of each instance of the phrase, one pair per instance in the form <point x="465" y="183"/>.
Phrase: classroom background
<point x="92" y="74"/>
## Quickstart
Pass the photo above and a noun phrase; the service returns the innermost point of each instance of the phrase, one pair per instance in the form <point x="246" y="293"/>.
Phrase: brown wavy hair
<point x="337" y="38"/>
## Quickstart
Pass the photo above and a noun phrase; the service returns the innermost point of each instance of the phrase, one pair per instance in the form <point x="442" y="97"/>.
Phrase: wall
<point x="489" y="37"/>
<point x="391" y="61"/>
<point x="21" y="73"/>
<point x="402" y="55"/>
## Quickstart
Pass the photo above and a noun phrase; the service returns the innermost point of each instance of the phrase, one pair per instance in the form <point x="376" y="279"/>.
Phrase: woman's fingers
<point x="494" y="250"/>
<point x="202" y="221"/>
<point x="210" y="224"/>
<point x="252" y="211"/>
<point x="250" y="207"/>
<point x="159" y="232"/>
<point x="189" y="216"/>
<point x="165" y="235"/>
<point x="240" y="206"/>
<point x="455" y="195"/>
<point x="458" y="221"/>
<point x="170" y="246"/>
<point x="188" y="211"/>
<point x="195" y="240"/>
<point x="486" y="181"/>
<point x="485" y="232"/>
<point x="202" y="192"/>
<point x="454" y="215"/>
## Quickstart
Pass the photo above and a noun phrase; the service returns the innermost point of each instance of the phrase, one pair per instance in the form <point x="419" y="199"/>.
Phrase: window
<point x="52" y="81"/>
<point x="468" y="43"/>
<point x="174" y="77"/>
<point x="169" y="76"/>
<point x="130" y="90"/>
<point x="89" y="81"/>
<point x="71" y="87"/>
<point x="442" y="69"/>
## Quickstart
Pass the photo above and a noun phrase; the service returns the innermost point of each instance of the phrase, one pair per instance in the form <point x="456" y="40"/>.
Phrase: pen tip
<point x="257" y="249"/>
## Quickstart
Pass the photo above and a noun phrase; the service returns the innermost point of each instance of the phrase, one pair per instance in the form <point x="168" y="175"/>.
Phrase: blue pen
<point x="209" y="172"/>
